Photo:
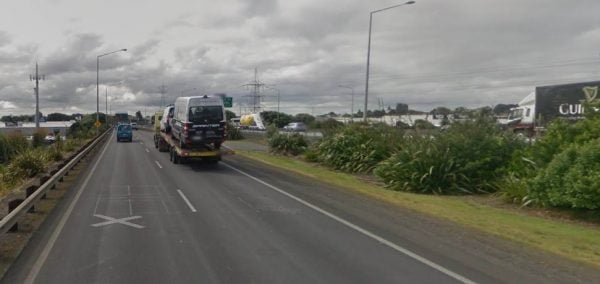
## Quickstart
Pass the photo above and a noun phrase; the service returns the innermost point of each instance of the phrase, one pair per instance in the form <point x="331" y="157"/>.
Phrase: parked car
<point x="50" y="138"/>
<point x="124" y="133"/>
<point x="295" y="126"/>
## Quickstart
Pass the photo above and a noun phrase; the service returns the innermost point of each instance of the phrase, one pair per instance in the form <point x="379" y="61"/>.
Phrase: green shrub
<point x="71" y="144"/>
<point x="358" y="147"/>
<point x="11" y="145"/>
<point x="293" y="144"/>
<point x="514" y="189"/>
<point x="571" y="179"/>
<point x="55" y="154"/>
<point x="234" y="133"/>
<point x="423" y="124"/>
<point x="328" y="127"/>
<point x="560" y="135"/>
<point x="311" y="155"/>
<point x="468" y="158"/>
<point x="38" y="138"/>
<point x="272" y="130"/>
<point x="26" y="164"/>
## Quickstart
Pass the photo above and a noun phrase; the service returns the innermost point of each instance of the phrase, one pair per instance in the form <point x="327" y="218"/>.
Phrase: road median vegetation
<point x="580" y="242"/>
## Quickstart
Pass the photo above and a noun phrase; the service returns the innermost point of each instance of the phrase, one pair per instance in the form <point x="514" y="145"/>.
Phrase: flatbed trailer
<point x="178" y="155"/>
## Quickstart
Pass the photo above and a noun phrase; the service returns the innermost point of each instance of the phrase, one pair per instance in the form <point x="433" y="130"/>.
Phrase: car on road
<point x="295" y="127"/>
<point x="124" y="133"/>
<point x="134" y="126"/>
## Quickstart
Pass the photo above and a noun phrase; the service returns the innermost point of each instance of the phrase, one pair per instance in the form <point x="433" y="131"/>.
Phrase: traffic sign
<point x="97" y="124"/>
<point x="228" y="101"/>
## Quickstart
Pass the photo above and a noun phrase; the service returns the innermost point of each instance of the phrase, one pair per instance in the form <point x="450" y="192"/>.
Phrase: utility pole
<point x="255" y="97"/>
<point x="37" y="79"/>
<point x="162" y="89"/>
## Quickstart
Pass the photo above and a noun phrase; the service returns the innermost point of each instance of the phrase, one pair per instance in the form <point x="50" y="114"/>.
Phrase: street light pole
<point x="98" y="83"/>
<point x="352" y="104"/>
<point x="369" y="53"/>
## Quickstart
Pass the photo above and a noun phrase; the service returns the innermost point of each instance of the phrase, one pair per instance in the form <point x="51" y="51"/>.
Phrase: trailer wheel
<point x="176" y="158"/>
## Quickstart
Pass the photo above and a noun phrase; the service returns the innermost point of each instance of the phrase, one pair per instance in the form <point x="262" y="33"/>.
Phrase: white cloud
<point x="432" y="53"/>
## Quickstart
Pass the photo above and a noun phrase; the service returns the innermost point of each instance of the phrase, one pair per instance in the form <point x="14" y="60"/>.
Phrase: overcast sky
<point x="433" y="53"/>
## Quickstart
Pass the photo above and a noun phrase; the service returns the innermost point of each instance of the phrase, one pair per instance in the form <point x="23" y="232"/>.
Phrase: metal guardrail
<point x="8" y="221"/>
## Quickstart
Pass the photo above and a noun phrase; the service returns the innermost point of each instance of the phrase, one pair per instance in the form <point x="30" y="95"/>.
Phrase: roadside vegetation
<point x="21" y="159"/>
<point x="557" y="175"/>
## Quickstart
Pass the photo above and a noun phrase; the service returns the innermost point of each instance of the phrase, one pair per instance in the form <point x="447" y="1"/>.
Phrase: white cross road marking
<point x="112" y="220"/>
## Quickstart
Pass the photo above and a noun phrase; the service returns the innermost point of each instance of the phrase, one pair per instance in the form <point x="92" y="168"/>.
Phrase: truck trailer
<point x="548" y="103"/>
<point x="165" y="141"/>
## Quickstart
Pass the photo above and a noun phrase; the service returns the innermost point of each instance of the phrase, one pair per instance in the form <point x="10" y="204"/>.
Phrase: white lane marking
<point x="129" y="199"/>
<point x="158" y="164"/>
<point x="97" y="202"/>
<point x="37" y="266"/>
<point x="111" y="220"/>
<point x="147" y="151"/>
<point x="359" y="229"/>
<point x="189" y="204"/>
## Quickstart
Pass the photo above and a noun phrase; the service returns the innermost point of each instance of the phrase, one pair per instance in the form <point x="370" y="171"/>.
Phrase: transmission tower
<point x="162" y="89"/>
<point x="255" y="97"/>
<point x="37" y="77"/>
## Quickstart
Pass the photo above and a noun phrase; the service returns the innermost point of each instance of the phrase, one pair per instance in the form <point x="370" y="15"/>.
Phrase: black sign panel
<point x="564" y="101"/>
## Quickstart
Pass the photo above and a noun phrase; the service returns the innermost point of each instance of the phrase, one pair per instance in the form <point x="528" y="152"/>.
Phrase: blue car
<point x="124" y="133"/>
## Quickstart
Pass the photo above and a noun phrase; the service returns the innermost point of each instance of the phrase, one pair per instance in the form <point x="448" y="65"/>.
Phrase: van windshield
<point x="206" y="114"/>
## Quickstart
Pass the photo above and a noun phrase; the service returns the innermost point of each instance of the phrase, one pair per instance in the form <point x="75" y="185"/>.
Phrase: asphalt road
<point x="136" y="218"/>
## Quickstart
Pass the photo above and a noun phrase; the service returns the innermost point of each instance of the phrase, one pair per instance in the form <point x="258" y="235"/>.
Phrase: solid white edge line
<point x="187" y="201"/>
<point x="359" y="229"/>
<point x="158" y="164"/>
<point x="39" y="263"/>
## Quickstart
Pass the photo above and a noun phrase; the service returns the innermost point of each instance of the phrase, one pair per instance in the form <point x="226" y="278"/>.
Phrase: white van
<point x="199" y="121"/>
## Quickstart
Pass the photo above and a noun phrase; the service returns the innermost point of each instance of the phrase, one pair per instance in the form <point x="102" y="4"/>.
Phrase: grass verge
<point x="576" y="242"/>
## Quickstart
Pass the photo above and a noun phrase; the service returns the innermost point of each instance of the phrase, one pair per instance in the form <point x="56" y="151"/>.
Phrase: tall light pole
<point x="352" y="105"/>
<point x="98" y="83"/>
<point x="369" y="53"/>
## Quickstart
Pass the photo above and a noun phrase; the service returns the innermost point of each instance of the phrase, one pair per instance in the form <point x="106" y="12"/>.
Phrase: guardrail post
<point x="11" y="206"/>
<point x="44" y="179"/>
<point x="29" y="191"/>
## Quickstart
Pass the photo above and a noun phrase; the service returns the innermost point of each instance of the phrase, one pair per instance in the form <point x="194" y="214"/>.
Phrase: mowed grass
<point x="573" y="241"/>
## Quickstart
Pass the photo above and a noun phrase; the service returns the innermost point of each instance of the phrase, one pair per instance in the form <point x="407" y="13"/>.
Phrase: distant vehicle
<point x="295" y="126"/>
<point x="235" y="122"/>
<point x="252" y="121"/>
<point x="165" y="121"/>
<point x="134" y="126"/>
<point x="124" y="132"/>
<point x="122" y="117"/>
<point x="547" y="103"/>
<point x="199" y="121"/>
<point x="50" y="138"/>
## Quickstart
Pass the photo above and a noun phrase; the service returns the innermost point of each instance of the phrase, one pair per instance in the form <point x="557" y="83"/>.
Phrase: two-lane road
<point x="134" y="217"/>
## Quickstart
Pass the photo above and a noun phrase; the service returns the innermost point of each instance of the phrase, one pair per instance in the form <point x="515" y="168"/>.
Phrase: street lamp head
<point x="125" y="49"/>
<point x="410" y="2"/>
